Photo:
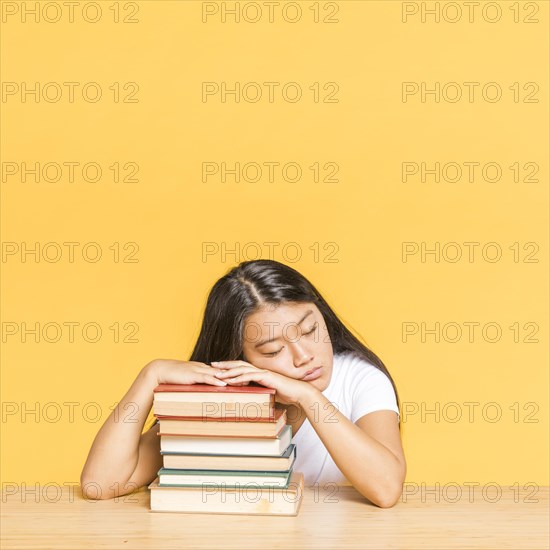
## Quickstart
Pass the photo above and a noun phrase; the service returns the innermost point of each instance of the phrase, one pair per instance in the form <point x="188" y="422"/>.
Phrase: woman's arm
<point x="121" y="458"/>
<point x="368" y="453"/>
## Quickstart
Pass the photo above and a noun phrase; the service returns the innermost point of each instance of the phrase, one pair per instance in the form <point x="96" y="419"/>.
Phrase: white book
<point x="228" y="445"/>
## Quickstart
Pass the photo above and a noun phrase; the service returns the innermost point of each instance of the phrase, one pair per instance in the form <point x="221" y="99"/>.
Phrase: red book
<point x="201" y="388"/>
<point x="252" y="402"/>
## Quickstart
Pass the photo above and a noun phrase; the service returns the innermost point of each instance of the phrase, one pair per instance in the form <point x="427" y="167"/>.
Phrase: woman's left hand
<point x="289" y="391"/>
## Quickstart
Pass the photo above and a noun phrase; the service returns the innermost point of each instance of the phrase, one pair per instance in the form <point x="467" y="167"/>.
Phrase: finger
<point x="232" y="372"/>
<point x="238" y="369"/>
<point x="230" y="364"/>
<point x="247" y="376"/>
<point x="202" y="367"/>
<point x="206" y="370"/>
<point x="209" y="379"/>
<point x="225" y="367"/>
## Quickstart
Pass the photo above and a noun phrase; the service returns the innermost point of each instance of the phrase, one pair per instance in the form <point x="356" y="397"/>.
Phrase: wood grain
<point x="333" y="517"/>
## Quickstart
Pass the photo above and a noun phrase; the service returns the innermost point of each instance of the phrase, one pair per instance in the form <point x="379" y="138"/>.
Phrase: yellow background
<point x="170" y="212"/>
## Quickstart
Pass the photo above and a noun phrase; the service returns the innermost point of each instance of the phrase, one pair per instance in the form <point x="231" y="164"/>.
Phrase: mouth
<point x="313" y="374"/>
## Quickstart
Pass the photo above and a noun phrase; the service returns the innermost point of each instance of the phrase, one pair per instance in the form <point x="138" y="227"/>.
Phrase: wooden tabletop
<point x="335" y="517"/>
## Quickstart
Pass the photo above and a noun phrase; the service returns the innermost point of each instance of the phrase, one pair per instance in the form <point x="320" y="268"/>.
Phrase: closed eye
<point x="274" y="353"/>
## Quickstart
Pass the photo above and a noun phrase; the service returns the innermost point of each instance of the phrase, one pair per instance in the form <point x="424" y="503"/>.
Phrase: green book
<point x="169" y="477"/>
<point x="190" y="461"/>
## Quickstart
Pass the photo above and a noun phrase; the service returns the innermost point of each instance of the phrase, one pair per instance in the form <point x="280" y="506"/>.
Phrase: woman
<point x="265" y="322"/>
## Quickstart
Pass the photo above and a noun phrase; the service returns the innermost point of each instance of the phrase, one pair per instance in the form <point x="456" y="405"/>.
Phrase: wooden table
<point x="335" y="517"/>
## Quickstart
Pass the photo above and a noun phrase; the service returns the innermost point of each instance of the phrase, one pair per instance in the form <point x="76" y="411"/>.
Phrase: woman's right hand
<point x="172" y="371"/>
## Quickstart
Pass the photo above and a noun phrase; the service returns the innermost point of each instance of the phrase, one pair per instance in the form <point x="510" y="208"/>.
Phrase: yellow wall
<point x="350" y="231"/>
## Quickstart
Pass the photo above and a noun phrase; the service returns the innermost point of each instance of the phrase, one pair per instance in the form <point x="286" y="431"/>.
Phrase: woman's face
<point x="290" y="339"/>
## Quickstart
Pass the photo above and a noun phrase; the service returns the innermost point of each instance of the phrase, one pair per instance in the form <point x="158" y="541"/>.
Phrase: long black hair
<point x="252" y="285"/>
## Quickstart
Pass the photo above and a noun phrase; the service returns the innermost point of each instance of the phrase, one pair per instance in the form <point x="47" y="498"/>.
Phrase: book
<point x="222" y="478"/>
<point x="230" y="462"/>
<point x="176" y="425"/>
<point x="273" y="446"/>
<point x="205" y="400"/>
<point x="207" y="499"/>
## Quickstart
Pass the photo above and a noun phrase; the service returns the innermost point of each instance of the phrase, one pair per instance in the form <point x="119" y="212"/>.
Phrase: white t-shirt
<point x="356" y="388"/>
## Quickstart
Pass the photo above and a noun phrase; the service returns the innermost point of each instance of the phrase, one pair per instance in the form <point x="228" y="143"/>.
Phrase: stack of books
<point x="225" y="449"/>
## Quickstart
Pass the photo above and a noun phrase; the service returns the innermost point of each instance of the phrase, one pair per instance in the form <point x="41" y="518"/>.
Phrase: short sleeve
<point x="371" y="391"/>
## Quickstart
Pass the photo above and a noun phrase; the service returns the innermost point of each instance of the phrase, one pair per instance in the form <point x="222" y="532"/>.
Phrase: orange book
<point x="208" y="401"/>
<point x="223" y="427"/>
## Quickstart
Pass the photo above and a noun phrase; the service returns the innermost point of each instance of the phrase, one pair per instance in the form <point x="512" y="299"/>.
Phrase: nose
<point x="301" y="357"/>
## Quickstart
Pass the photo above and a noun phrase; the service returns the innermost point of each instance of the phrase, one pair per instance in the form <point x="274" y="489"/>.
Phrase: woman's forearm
<point x="122" y="458"/>
<point x="114" y="453"/>
<point x="370" y="466"/>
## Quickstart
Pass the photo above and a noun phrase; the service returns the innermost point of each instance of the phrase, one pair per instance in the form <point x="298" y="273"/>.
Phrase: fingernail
<point x="215" y="363"/>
